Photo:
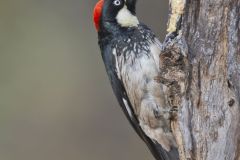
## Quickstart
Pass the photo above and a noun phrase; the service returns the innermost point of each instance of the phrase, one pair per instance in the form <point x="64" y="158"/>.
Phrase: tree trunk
<point x="201" y="71"/>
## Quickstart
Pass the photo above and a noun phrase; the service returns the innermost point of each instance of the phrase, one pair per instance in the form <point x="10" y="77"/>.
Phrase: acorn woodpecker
<point x="130" y="51"/>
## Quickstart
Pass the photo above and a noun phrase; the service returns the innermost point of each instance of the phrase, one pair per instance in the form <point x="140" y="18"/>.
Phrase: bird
<point x="130" y="51"/>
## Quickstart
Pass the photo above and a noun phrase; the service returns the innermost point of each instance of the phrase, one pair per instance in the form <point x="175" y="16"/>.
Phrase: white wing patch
<point x="127" y="107"/>
<point x="117" y="65"/>
<point x="126" y="19"/>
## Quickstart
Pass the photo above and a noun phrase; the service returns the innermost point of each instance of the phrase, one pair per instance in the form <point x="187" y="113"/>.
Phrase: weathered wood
<point x="204" y="84"/>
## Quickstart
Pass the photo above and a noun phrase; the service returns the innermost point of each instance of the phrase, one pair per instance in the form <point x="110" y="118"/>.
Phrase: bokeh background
<point x="55" y="99"/>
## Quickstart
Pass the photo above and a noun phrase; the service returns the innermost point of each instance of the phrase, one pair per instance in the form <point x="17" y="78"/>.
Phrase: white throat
<point x="126" y="19"/>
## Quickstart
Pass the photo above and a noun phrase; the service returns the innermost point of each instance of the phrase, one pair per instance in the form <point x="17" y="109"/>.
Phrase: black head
<point x="118" y="14"/>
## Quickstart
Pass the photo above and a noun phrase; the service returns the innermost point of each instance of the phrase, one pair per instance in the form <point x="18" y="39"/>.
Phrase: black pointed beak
<point x="131" y="5"/>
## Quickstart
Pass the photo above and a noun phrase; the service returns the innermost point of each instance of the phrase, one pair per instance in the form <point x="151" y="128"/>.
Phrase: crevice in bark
<point x="199" y="85"/>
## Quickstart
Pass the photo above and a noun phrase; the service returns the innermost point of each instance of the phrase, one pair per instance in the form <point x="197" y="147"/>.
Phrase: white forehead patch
<point x="126" y="19"/>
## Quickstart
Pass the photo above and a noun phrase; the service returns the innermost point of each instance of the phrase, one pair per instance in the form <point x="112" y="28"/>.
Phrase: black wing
<point x="156" y="149"/>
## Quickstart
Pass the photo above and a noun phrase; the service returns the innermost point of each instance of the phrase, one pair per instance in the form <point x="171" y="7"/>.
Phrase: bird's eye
<point x="117" y="2"/>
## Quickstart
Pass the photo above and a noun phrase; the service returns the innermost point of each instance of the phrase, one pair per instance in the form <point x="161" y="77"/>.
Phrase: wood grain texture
<point x="204" y="85"/>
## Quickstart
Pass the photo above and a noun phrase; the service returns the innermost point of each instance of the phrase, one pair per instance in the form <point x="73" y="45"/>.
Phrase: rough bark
<point x="201" y="71"/>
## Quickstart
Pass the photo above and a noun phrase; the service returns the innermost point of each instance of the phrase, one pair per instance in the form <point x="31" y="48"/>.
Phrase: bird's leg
<point x="155" y="122"/>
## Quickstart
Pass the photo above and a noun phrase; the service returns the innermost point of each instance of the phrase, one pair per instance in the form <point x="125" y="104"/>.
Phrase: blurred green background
<point x="55" y="99"/>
